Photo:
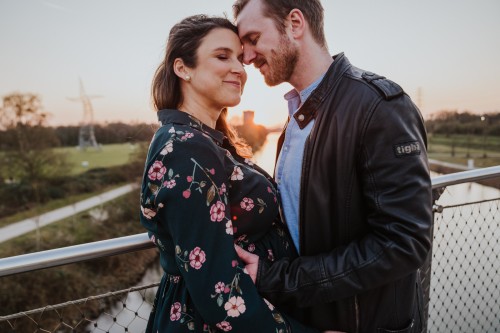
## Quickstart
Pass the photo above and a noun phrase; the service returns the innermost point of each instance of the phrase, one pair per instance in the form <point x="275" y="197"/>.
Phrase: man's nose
<point x="248" y="55"/>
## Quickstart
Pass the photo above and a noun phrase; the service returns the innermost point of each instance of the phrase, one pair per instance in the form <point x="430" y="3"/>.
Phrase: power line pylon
<point x="86" y="136"/>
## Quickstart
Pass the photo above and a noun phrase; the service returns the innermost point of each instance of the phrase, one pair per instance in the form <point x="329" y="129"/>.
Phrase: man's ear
<point x="297" y="22"/>
<point x="181" y="70"/>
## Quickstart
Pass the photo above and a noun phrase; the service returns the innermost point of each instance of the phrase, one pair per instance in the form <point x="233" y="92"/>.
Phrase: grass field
<point x="485" y="151"/>
<point x="107" y="156"/>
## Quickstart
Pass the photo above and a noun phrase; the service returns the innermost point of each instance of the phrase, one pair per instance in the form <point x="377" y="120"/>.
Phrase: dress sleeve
<point x="189" y="186"/>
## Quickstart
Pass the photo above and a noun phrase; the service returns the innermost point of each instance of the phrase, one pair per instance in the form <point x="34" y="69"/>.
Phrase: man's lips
<point x="260" y="66"/>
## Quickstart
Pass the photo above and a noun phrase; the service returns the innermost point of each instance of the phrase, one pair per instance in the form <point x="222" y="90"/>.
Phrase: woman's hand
<point x="251" y="260"/>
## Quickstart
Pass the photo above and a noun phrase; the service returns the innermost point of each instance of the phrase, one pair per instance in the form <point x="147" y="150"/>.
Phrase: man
<point x="353" y="177"/>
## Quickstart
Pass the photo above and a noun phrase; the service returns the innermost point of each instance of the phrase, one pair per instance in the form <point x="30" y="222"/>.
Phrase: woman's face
<point x="219" y="77"/>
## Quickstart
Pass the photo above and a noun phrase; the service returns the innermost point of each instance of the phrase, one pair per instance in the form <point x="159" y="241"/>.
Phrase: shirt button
<point x="301" y="117"/>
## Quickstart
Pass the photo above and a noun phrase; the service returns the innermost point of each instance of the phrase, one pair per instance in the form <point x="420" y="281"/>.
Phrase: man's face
<point x="273" y="53"/>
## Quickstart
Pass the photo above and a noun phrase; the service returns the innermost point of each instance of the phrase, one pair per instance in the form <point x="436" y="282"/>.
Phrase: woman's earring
<point x="188" y="78"/>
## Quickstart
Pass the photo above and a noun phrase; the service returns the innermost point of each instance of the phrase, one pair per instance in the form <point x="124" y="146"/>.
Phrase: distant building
<point x="248" y="118"/>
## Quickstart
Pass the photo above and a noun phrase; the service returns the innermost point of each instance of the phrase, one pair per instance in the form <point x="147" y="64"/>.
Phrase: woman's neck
<point x="207" y="115"/>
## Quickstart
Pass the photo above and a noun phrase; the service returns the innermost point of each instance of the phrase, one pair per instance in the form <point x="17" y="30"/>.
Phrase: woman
<point x="200" y="193"/>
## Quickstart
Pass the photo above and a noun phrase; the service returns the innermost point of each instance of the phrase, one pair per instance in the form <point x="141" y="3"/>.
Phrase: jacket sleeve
<point x="396" y="190"/>
<point x="189" y="183"/>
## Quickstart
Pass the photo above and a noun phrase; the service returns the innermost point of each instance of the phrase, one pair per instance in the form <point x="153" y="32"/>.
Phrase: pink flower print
<point x="269" y="189"/>
<point x="157" y="171"/>
<point x="226" y="290"/>
<point x="187" y="193"/>
<point x="153" y="239"/>
<point x="234" y="263"/>
<point x="175" y="311"/>
<point x="148" y="213"/>
<point x="169" y="183"/>
<point x="248" y="161"/>
<point x="224" y="325"/>
<point x="187" y="135"/>
<point x="171" y="130"/>
<point x="219" y="287"/>
<point x="176" y="279"/>
<point x="229" y="227"/>
<point x="212" y="171"/>
<point x="217" y="211"/>
<point x="197" y="257"/>
<point x="168" y="148"/>
<point x="189" y="179"/>
<point x="251" y="247"/>
<point x="270" y="255"/>
<point x="235" y="306"/>
<point x="237" y="173"/>
<point x="269" y="305"/>
<point x="222" y="189"/>
<point x="247" y="204"/>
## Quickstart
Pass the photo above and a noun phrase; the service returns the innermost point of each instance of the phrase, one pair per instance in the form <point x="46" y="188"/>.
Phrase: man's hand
<point x="251" y="260"/>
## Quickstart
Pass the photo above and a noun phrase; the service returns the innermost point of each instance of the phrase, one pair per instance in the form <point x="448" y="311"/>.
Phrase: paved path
<point x="19" y="228"/>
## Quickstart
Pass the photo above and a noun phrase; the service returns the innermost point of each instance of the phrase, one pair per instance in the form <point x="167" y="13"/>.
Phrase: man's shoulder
<point x="384" y="87"/>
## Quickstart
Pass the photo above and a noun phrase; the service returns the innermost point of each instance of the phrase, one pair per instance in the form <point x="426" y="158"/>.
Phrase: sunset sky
<point x="447" y="49"/>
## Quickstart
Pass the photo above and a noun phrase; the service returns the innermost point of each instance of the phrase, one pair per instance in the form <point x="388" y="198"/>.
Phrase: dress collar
<point x="173" y="116"/>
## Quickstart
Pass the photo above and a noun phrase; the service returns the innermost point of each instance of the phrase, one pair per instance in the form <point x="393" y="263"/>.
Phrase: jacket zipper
<point x="303" y="179"/>
<point x="356" y="311"/>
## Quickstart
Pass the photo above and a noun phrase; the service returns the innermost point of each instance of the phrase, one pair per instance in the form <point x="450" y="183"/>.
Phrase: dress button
<point x="301" y="117"/>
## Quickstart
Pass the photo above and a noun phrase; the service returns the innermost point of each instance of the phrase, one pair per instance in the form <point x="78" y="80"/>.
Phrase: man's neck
<point x="312" y="63"/>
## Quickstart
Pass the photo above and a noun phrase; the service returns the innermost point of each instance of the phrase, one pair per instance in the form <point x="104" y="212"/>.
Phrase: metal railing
<point x="462" y="288"/>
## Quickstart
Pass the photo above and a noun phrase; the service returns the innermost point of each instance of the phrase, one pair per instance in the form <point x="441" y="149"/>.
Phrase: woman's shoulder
<point x="186" y="139"/>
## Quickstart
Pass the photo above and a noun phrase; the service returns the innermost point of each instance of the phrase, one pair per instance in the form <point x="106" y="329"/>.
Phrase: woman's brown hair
<point x="183" y="42"/>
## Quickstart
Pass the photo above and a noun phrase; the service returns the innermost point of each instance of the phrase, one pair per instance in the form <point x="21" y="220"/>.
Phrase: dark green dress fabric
<point x="198" y="198"/>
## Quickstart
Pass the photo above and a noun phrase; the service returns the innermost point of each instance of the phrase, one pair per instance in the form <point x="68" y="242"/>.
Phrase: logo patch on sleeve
<point x="407" y="149"/>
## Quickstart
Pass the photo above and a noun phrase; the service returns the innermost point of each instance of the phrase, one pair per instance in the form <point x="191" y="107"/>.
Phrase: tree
<point x="29" y="157"/>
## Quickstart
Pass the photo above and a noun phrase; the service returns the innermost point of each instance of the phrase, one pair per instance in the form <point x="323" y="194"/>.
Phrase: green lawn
<point x="485" y="151"/>
<point x="107" y="156"/>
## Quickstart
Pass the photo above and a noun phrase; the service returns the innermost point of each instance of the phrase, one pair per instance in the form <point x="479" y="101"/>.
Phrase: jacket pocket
<point x="408" y="329"/>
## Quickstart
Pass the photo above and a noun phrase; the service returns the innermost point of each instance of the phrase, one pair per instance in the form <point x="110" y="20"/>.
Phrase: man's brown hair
<point x="279" y="9"/>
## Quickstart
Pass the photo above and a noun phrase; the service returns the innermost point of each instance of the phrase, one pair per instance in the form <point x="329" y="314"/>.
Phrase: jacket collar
<point x="309" y="109"/>
<point x="176" y="117"/>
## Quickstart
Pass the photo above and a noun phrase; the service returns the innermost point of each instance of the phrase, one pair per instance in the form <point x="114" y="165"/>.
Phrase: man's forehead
<point x="249" y="18"/>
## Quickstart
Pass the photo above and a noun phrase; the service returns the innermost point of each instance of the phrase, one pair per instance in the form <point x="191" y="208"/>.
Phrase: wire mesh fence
<point x="464" y="286"/>
<point x="121" y="311"/>
<point x="465" y="281"/>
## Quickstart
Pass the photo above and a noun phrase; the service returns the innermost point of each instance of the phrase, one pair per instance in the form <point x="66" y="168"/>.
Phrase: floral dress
<point x="197" y="200"/>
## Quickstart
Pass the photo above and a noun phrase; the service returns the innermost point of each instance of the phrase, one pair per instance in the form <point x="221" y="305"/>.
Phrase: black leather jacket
<point x="365" y="209"/>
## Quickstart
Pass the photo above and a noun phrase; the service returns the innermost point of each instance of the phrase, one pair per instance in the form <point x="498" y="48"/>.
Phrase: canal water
<point x="457" y="194"/>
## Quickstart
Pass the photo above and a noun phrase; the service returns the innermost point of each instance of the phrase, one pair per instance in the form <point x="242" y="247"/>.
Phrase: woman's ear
<point x="181" y="70"/>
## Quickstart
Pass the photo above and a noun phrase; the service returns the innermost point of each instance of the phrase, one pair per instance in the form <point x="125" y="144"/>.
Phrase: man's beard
<point x="282" y="63"/>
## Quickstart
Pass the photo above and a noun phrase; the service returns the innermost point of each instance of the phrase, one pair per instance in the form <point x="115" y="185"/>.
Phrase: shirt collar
<point x="296" y="99"/>
<point x="172" y="116"/>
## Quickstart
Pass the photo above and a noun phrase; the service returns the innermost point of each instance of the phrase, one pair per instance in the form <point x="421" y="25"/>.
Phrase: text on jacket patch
<point x="407" y="149"/>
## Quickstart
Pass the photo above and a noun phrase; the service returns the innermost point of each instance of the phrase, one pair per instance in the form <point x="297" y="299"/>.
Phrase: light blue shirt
<point x="289" y="165"/>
